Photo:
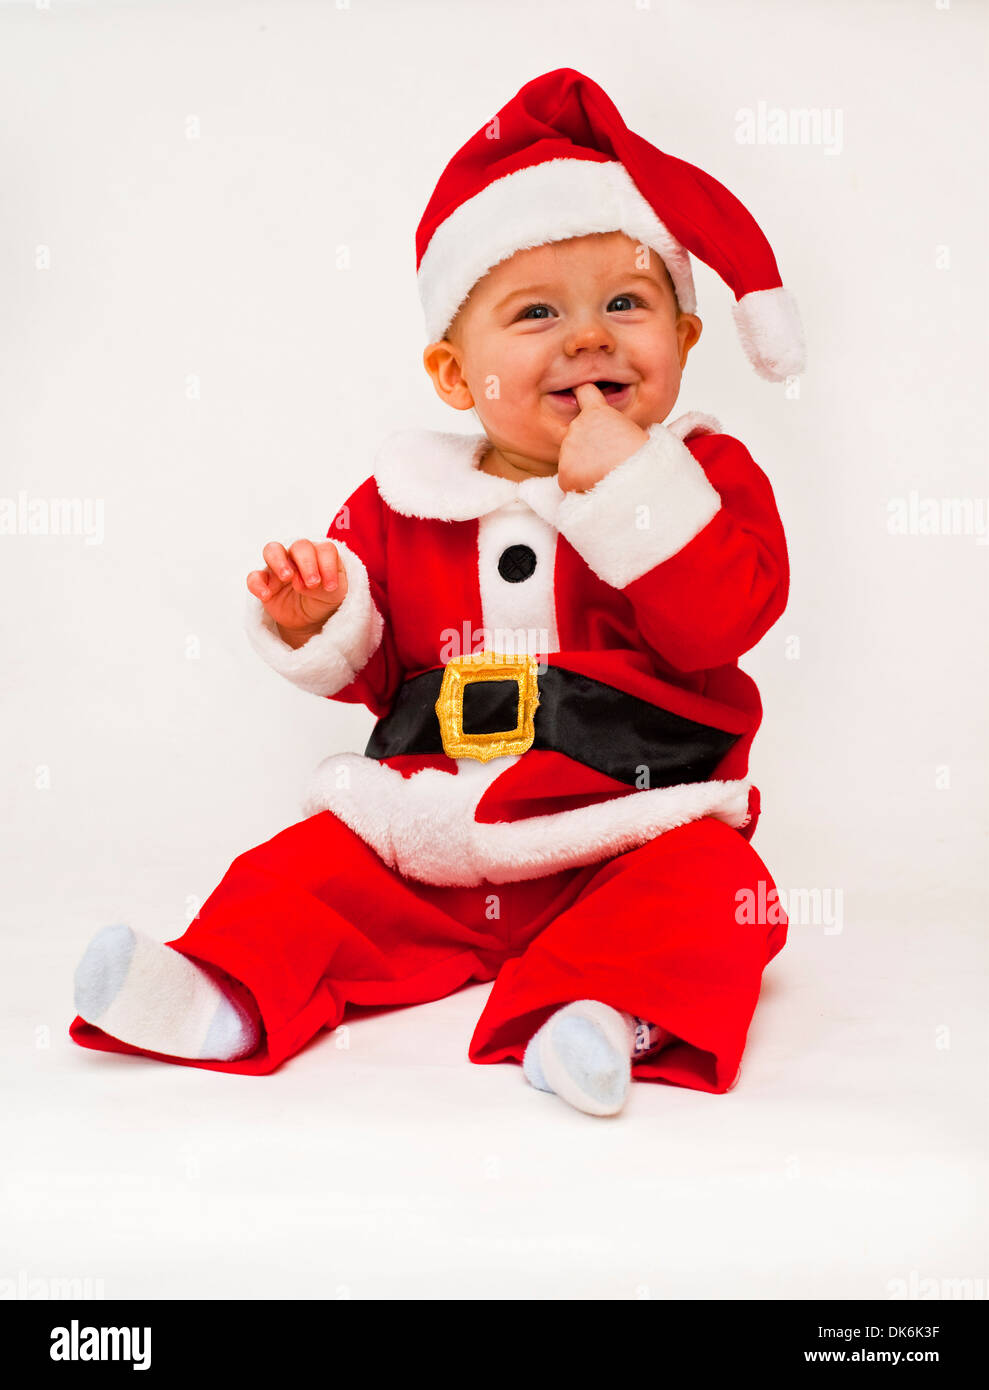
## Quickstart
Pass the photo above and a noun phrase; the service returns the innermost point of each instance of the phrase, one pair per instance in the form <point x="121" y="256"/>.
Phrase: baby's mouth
<point x="614" y="392"/>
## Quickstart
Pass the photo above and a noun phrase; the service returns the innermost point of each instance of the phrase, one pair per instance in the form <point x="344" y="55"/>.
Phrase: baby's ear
<point x="443" y="362"/>
<point x="688" y="330"/>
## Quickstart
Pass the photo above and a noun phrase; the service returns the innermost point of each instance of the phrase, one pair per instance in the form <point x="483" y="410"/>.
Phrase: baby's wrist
<point x="296" y="637"/>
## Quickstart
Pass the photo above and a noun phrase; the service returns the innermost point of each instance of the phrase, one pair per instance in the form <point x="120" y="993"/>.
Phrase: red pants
<point x="314" y="920"/>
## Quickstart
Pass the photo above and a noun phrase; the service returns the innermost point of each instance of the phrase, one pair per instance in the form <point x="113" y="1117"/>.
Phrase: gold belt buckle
<point x="487" y="666"/>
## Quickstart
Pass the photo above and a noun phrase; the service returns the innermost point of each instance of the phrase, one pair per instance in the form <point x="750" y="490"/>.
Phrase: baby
<point x="546" y="619"/>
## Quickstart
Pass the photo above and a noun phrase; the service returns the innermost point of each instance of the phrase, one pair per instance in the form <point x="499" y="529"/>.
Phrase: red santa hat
<point x="558" y="161"/>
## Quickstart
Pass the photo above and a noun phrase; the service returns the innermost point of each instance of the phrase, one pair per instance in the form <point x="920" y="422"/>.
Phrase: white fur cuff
<point x="640" y="513"/>
<point x="332" y="658"/>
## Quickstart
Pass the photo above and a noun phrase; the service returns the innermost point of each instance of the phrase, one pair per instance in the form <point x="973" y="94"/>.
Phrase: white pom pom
<point x="773" y="338"/>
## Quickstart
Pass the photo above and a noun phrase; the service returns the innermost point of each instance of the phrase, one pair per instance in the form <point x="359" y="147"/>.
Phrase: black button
<point x="517" y="563"/>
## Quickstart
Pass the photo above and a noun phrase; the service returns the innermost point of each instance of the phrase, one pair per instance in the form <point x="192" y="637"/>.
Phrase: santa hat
<point x="558" y="161"/>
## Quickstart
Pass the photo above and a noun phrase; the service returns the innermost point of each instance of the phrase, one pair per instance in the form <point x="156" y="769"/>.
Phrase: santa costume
<point x="555" y="795"/>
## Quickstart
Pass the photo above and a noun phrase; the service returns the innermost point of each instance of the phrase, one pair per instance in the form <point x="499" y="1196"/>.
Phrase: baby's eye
<point x="626" y="302"/>
<point x="528" y="312"/>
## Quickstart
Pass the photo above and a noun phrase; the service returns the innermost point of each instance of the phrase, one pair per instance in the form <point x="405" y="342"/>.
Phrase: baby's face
<point x="595" y="308"/>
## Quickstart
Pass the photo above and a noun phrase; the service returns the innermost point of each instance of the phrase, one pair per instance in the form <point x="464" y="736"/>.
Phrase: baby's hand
<point x="301" y="587"/>
<point x="597" y="440"/>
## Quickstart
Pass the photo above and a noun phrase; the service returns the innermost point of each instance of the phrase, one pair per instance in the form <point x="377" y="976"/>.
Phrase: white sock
<point x="143" y="993"/>
<point x="583" y="1053"/>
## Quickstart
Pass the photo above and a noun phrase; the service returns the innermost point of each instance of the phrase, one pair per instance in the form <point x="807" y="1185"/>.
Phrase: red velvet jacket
<point x="654" y="582"/>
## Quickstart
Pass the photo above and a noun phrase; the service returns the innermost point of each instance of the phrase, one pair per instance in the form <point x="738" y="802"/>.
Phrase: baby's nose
<point x="590" y="334"/>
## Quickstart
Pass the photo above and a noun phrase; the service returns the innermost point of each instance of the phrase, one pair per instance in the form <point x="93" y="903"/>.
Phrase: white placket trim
<point x="516" y="617"/>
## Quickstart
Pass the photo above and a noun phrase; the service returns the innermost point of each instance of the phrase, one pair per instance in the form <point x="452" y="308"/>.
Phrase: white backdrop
<point x="210" y="322"/>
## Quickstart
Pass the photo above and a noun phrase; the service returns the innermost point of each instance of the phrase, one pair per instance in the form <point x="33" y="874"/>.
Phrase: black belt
<point x="593" y="723"/>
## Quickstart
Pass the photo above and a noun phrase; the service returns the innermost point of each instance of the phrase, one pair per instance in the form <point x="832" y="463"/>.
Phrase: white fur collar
<point x="428" y="473"/>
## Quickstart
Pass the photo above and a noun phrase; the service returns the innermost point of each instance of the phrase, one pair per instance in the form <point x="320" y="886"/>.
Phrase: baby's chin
<point x="536" y="447"/>
<point x="530" y="435"/>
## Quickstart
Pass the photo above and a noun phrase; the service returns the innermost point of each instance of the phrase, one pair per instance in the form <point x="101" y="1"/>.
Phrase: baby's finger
<point x="593" y="396"/>
<point x="262" y="584"/>
<point x="278" y="562"/>
<point x="326" y="559"/>
<point x="303" y="552"/>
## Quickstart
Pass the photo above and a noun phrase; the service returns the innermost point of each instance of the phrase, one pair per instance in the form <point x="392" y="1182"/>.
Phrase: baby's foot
<point x="145" y="994"/>
<point x="583" y="1053"/>
<point x="649" y="1038"/>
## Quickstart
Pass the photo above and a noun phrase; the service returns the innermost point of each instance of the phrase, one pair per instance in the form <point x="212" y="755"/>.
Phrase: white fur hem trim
<point x="642" y="512"/>
<point x="331" y="659"/>
<point x="552" y="201"/>
<point x="772" y="335"/>
<point x="424" y="825"/>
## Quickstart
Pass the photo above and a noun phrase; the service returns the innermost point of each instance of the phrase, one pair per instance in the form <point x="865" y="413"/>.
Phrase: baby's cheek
<point x="665" y="367"/>
<point x="664" y="377"/>
<point x="508" y="390"/>
<point x="506" y="398"/>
